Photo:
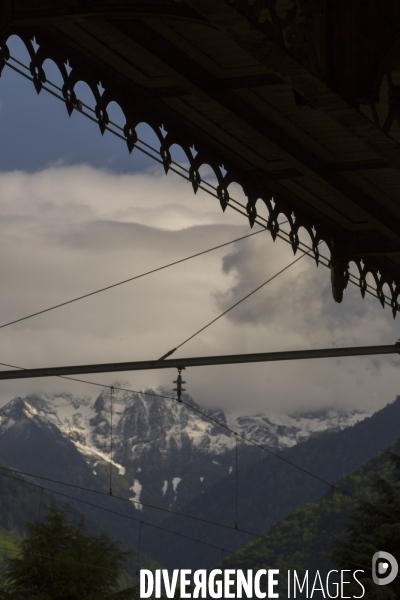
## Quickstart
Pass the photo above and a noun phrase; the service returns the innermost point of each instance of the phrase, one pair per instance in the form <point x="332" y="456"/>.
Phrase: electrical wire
<point x="164" y="529"/>
<point x="129" y="501"/>
<point x="111" y="441"/>
<point x="223" y="425"/>
<point x="220" y="424"/>
<point x="158" y="527"/>
<point x="191" y="337"/>
<point x="282" y="458"/>
<point x="109" y="287"/>
<point x="129" y="517"/>
<point x="233" y="306"/>
<point x="184" y="173"/>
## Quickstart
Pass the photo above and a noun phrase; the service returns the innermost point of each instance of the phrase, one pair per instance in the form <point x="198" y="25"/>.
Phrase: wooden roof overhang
<point x="298" y="100"/>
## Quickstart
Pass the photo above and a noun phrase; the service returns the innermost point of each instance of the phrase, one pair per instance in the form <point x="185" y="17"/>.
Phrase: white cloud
<point x="66" y="231"/>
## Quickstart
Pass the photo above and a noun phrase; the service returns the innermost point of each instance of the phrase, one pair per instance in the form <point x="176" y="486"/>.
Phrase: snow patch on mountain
<point x="136" y="488"/>
<point x="142" y="422"/>
<point x="178" y="451"/>
<point x="286" y="430"/>
<point x="175" y="482"/>
<point x="92" y="454"/>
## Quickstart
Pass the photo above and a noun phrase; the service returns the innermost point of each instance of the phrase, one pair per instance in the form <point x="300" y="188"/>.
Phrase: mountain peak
<point x="160" y="446"/>
<point x="143" y="419"/>
<point x="16" y="410"/>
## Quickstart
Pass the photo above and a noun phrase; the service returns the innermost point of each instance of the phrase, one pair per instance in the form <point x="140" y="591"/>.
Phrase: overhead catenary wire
<point x="278" y="456"/>
<point x="176" y="533"/>
<point x="233" y="306"/>
<point x="111" y="436"/>
<point x="333" y="517"/>
<point x="114" y="285"/>
<point x="220" y="424"/>
<point x="183" y="172"/>
<point x="210" y="323"/>
<point x="181" y="363"/>
<point x="257" y="535"/>
<point x="200" y="361"/>
<point x="129" y="517"/>
<point x="236" y="481"/>
<point x="185" y="342"/>
<point x="170" y="352"/>
<point x="86" y="502"/>
<point x="223" y="425"/>
<point x="142" y="503"/>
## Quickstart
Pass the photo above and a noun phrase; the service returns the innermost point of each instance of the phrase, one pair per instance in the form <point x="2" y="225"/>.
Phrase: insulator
<point x="179" y="389"/>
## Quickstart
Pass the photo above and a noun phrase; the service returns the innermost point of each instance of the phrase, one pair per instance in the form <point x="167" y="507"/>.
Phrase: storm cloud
<point x="68" y="230"/>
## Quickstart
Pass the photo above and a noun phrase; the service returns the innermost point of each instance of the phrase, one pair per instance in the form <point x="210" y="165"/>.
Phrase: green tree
<point x="59" y="561"/>
<point x="373" y="527"/>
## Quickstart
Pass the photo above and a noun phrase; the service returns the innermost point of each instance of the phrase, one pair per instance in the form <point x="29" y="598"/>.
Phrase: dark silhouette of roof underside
<point x="297" y="99"/>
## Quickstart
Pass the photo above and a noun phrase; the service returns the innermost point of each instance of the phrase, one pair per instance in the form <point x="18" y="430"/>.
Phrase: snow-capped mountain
<point x="280" y="431"/>
<point x="163" y="452"/>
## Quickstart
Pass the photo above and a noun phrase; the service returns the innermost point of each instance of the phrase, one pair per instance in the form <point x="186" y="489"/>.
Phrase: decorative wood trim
<point x="198" y="154"/>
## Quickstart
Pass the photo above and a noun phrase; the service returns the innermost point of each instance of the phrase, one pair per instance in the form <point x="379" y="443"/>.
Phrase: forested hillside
<point x="304" y="540"/>
<point x="271" y="489"/>
<point x="22" y="501"/>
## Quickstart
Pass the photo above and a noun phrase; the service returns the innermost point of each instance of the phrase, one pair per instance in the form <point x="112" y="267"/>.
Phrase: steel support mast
<point x="201" y="361"/>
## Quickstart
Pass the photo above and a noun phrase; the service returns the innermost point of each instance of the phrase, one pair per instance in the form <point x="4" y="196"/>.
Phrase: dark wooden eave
<point x="255" y="86"/>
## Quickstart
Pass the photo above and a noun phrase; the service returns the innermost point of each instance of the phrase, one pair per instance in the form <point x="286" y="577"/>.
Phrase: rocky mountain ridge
<point x="86" y="422"/>
<point x="165" y="452"/>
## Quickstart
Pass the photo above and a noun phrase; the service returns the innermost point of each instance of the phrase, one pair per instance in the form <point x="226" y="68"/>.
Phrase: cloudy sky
<point x="78" y="213"/>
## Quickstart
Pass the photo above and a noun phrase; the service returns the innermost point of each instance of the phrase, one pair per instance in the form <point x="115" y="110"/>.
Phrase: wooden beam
<point x="191" y="74"/>
<point x="248" y="81"/>
<point x="250" y="37"/>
